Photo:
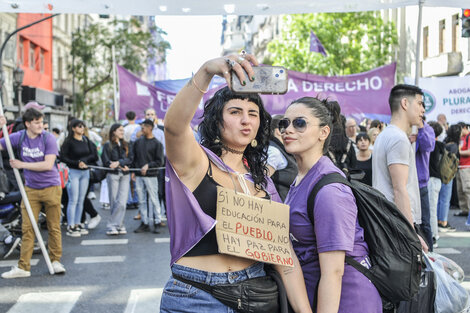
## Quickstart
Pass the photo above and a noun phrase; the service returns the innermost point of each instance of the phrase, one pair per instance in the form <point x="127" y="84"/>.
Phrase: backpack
<point x="394" y="247"/>
<point x="448" y="166"/>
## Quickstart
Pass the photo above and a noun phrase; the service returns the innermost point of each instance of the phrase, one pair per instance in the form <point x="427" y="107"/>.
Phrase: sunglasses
<point x="80" y="125"/>
<point x="299" y="124"/>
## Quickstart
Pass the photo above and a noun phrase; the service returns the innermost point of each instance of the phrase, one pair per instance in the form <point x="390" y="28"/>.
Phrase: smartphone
<point x="268" y="80"/>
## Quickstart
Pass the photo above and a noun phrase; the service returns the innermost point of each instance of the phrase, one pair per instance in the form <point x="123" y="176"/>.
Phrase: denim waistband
<point x="211" y="278"/>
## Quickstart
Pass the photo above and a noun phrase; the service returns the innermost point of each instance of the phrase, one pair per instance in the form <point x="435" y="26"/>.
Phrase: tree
<point x="355" y="42"/>
<point x="92" y="66"/>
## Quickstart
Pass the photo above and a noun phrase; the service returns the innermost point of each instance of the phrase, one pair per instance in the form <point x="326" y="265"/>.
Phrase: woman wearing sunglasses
<point x="321" y="248"/>
<point x="76" y="153"/>
<point x="233" y="151"/>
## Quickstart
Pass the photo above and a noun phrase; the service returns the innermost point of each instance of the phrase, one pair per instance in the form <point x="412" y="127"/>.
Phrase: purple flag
<point x="315" y="44"/>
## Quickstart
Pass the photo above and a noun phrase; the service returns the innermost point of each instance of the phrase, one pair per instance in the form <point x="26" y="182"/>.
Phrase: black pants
<point x="87" y="205"/>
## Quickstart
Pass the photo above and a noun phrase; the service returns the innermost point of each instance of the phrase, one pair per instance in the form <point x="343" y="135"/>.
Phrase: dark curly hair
<point x="213" y="121"/>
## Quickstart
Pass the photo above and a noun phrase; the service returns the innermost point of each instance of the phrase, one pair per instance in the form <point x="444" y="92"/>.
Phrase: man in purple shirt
<point x="425" y="143"/>
<point x="37" y="152"/>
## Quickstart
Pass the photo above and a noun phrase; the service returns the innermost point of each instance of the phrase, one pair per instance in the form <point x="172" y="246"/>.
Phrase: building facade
<point x="7" y="88"/>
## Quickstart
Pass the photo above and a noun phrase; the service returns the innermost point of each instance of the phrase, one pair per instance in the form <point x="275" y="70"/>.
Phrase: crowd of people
<point x="239" y="146"/>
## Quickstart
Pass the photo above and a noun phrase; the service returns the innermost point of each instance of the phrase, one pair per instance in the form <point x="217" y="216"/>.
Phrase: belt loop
<point x="208" y="278"/>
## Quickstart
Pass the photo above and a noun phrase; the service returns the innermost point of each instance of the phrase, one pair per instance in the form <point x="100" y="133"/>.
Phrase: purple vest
<point x="187" y="222"/>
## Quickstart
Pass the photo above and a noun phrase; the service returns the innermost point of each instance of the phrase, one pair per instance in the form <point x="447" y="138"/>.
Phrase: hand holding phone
<point x="268" y="80"/>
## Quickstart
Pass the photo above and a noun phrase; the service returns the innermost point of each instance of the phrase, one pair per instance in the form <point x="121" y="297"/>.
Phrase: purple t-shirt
<point x="336" y="228"/>
<point x="33" y="150"/>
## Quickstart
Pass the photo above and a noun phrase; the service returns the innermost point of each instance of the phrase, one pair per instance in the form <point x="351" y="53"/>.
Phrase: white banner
<point x="446" y="95"/>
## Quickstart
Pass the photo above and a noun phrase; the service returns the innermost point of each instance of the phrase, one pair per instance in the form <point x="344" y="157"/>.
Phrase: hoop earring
<point x="254" y="143"/>
<point x="217" y="140"/>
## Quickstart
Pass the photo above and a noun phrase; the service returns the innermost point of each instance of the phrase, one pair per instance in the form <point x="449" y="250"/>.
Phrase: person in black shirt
<point x="147" y="155"/>
<point x="116" y="155"/>
<point x="76" y="153"/>
<point x="364" y="157"/>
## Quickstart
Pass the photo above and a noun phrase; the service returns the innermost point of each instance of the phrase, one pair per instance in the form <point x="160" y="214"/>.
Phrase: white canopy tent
<point x="212" y="7"/>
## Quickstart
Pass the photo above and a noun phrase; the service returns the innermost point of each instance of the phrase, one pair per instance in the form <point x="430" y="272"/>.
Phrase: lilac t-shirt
<point x="336" y="228"/>
<point x="33" y="150"/>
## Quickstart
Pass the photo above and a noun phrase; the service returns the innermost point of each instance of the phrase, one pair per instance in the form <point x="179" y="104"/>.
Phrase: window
<point x="455" y="31"/>
<point x="442" y="29"/>
<point x="31" y="60"/>
<point x="41" y="60"/>
<point x="425" y="42"/>
<point x="21" y="51"/>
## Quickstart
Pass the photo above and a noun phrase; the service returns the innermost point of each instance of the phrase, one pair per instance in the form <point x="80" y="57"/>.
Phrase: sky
<point x="194" y="40"/>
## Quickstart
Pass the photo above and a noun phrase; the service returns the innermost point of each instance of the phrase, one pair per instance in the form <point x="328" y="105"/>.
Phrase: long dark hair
<point x="113" y="138"/>
<point x="327" y="113"/>
<point x="453" y="134"/>
<point x="213" y="121"/>
<point x="74" y="123"/>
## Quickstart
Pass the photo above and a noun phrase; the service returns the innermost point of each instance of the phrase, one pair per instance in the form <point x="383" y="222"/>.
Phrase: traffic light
<point x="466" y="23"/>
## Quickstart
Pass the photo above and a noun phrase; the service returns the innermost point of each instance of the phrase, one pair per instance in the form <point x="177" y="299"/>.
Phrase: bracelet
<point x="194" y="83"/>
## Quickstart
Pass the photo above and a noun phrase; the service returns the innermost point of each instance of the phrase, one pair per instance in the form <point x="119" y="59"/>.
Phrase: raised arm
<point x="182" y="149"/>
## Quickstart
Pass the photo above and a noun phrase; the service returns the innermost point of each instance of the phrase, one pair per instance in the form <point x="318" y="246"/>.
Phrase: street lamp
<point x="18" y="75"/>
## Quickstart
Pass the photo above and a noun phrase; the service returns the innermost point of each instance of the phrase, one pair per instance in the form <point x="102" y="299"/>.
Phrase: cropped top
<point x="206" y="196"/>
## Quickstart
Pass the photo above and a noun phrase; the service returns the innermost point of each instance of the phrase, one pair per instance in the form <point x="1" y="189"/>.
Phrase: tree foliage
<point x="355" y="42"/>
<point x="92" y="66"/>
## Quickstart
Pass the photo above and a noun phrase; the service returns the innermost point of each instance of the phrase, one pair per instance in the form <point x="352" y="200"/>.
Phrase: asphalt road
<point x="124" y="273"/>
<point x="127" y="273"/>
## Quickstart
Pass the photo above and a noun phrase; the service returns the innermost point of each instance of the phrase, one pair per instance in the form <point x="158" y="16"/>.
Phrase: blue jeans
<point x="76" y="189"/>
<point x="181" y="297"/>
<point x="434" y="187"/>
<point x="425" y="216"/>
<point x="443" y="203"/>
<point x="118" y="188"/>
<point x="147" y="188"/>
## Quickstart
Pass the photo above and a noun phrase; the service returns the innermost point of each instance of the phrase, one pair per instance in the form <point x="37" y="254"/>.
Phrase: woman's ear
<point x="324" y="132"/>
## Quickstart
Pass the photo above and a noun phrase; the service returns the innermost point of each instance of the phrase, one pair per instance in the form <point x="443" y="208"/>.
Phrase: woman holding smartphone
<point x="332" y="285"/>
<point x="232" y="154"/>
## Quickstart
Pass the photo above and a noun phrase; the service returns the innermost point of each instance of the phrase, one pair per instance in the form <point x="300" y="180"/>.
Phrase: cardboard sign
<point x="253" y="228"/>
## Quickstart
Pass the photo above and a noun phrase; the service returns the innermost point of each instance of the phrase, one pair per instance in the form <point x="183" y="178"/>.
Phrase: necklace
<point x="232" y="150"/>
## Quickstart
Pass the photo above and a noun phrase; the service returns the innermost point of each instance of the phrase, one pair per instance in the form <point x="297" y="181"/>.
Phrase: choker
<point x="232" y="150"/>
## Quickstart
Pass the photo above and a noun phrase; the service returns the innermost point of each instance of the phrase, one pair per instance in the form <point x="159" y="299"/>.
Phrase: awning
<point x="212" y="7"/>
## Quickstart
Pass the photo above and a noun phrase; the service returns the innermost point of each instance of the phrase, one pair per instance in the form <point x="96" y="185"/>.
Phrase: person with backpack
<point x="334" y="234"/>
<point x="394" y="164"/>
<point x="36" y="156"/>
<point x="435" y="183"/>
<point x="77" y="153"/>
<point x="452" y="140"/>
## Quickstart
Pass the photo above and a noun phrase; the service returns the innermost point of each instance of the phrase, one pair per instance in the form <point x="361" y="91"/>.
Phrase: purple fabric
<point x="336" y="228"/>
<point x="425" y="143"/>
<point x="138" y="95"/>
<point x="33" y="150"/>
<point x="187" y="222"/>
<point x="315" y="44"/>
<point x="360" y="95"/>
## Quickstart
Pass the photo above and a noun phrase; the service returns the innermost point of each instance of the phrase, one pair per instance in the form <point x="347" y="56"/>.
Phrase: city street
<point x="104" y="274"/>
<point x="126" y="274"/>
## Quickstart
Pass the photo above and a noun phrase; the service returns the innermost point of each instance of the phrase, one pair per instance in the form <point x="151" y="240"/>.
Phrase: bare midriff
<point x="216" y="263"/>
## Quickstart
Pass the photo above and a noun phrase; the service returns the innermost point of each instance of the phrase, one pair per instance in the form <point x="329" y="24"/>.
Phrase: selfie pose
<point x="321" y="247"/>
<point x="233" y="152"/>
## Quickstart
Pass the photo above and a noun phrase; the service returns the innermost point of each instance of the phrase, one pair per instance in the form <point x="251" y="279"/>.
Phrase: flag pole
<point x="116" y="104"/>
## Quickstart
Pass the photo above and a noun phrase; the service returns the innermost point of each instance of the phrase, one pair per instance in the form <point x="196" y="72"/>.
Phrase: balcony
<point x="63" y="86"/>
<point x="445" y="64"/>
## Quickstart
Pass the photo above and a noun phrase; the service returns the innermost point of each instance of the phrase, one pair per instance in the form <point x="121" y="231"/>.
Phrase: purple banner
<point x="137" y="95"/>
<point x="359" y="95"/>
